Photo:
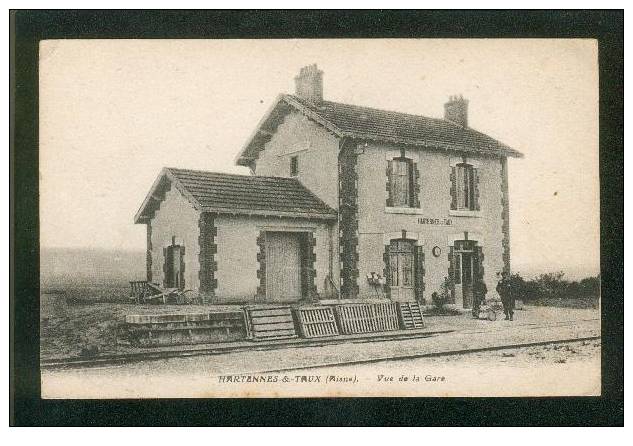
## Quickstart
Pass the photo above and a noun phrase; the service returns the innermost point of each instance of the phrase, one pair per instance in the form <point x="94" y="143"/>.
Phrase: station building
<point x="344" y="203"/>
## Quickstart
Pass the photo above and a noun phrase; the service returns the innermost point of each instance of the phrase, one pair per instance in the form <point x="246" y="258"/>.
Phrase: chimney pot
<point x="309" y="84"/>
<point x="456" y="110"/>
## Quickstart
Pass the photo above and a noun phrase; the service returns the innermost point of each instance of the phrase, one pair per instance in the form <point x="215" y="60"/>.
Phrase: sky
<point x="114" y="112"/>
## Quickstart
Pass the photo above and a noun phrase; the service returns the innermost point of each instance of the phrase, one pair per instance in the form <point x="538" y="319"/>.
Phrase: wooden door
<point x="467" y="274"/>
<point x="401" y="267"/>
<point x="173" y="270"/>
<point x="283" y="267"/>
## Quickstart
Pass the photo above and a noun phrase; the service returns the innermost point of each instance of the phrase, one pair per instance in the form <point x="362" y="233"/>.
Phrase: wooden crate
<point x="316" y="322"/>
<point x="410" y="315"/>
<point x="367" y="318"/>
<point x="270" y="322"/>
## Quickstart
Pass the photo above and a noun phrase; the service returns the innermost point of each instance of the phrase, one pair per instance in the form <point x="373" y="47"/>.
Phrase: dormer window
<point x="402" y="183"/>
<point x="294" y="166"/>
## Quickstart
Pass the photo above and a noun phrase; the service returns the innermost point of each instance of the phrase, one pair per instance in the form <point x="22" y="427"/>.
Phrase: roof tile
<point x="247" y="193"/>
<point x="372" y="123"/>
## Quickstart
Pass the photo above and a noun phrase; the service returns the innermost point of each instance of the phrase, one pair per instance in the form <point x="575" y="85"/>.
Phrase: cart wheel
<point x="492" y="315"/>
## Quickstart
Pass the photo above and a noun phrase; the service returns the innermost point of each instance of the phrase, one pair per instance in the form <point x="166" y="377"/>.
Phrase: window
<point x="294" y="166"/>
<point x="402" y="187"/>
<point x="465" y="187"/>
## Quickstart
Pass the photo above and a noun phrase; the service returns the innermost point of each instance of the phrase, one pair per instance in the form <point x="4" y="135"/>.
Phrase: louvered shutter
<point x="389" y="203"/>
<point x="453" y="189"/>
<point x="167" y="261"/>
<point x="460" y="187"/>
<point x="415" y="201"/>
<point x="476" y="191"/>
<point x="479" y="263"/>
<point x="182" y="268"/>
<point x="387" y="272"/>
<point x="451" y="273"/>
<point x="419" y="274"/>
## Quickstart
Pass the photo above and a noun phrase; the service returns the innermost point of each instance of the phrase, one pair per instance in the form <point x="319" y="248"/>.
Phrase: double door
<point x="402" y="268"/>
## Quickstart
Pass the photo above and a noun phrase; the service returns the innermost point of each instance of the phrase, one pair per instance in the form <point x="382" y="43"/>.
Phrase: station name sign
<point x="435" y="221"/>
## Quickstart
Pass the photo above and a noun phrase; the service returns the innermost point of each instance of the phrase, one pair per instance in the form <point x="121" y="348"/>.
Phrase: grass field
<point x="67" y="328"/>
<point x="582" y="302"/>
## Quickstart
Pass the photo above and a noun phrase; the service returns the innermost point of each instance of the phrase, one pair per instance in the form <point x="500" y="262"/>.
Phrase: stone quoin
<point x="337" y="194"/>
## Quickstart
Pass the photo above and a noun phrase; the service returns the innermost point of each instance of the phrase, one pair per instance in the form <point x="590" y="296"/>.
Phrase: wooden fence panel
<point x="367" y="318"/>
<point x="316" y="322"/>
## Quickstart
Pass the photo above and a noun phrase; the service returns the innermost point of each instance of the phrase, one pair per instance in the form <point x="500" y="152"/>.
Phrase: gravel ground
<point x="536" y="370"/>
<point x="526" y="356"/>
<point x="65" y="330"/>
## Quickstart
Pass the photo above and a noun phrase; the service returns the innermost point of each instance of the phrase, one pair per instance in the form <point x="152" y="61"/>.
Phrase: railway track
<point x="432" y="354"/>
<point x="228" y="348"/>
<point x="122" y="359"/>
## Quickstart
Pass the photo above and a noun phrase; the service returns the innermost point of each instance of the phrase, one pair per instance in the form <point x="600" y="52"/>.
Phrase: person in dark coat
<point x="507" y="299"/>
<point x="479" y="296"/>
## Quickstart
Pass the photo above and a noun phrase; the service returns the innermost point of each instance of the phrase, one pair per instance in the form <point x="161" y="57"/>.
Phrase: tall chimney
<point x="309" y="84"/>
<point x="456" y="110"/>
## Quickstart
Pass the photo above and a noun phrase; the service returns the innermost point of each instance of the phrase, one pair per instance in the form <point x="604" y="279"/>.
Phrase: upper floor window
<point x="294" y="166"/>
<point x="464" y="188"/>
<point x="402" y="183"/>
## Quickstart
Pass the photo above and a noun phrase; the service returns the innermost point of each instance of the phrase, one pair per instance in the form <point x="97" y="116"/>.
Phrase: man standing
<point x="479" y="293"/>
<point x="507" y="299"/>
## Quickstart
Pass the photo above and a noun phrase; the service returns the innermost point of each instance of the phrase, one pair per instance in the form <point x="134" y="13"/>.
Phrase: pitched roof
<point x="367" y="123"/>
<point x="236" y="194"/>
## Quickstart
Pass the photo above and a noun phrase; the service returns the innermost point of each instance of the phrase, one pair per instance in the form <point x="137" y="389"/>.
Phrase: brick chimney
<point x="309" y="84"/>
<point x="456" y="110"/>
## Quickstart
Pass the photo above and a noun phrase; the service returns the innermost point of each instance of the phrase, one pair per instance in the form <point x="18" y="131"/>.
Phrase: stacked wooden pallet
<point x="274" y="322"/>
<point x="270" y="322"/>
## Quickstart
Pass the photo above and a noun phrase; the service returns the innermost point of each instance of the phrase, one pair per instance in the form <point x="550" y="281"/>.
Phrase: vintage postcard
<point x="310" y="218"/>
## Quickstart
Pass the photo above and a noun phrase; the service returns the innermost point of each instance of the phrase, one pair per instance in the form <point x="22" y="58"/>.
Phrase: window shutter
<point x="460" y="187"/>
<point x="386" y="272"/>
<point x="451" y="272"/>
<point x="458" y="269"/>
<point x="166" y="263"/>
<point x="476" y="191"/>
<point x="389" y="203"/>
<point x="182" y="268"/>
<point x="415" y="196"/>
<point x="479" y="262"/>
<point x="419" y="274"/>
<point x="453" y="189"/>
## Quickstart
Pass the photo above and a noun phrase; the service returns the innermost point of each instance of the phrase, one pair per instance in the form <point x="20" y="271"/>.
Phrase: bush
<point x="553" y="286"/>
<point x="440" y="299"/>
